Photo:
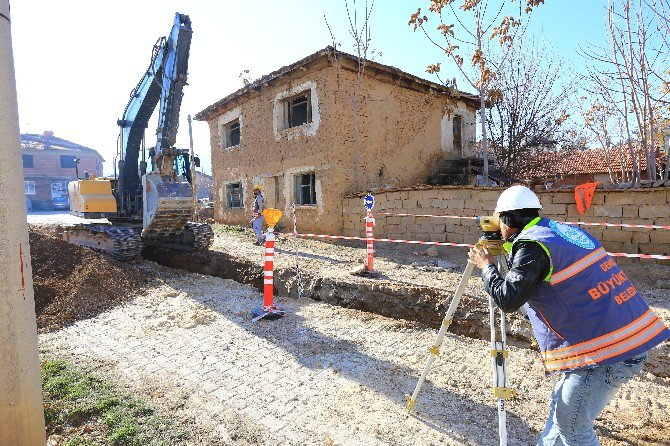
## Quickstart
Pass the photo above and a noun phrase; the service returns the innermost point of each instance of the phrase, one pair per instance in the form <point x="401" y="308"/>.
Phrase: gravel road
<point x="323" y="375"/>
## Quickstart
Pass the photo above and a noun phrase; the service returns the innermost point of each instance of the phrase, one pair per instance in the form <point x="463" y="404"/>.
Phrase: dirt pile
<point x="73" y="283"/>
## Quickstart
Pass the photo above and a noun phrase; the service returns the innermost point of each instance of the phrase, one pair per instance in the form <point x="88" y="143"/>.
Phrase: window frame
<point x="298" y="188"/>
<point x="288" y="105"/>
<point x="457" y="142"/>
<point x="226" y="133"/>
<point x="26" y="189"/>
<point x="67" y="157"/>
<point x="26" y="156"/>
<point x="229" y="197"/>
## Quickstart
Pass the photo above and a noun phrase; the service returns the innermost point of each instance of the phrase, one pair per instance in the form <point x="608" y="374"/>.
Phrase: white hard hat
<point x="517" y="197"/>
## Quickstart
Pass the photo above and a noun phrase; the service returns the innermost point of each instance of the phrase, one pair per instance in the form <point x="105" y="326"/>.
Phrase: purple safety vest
<point x="586" y="312"/>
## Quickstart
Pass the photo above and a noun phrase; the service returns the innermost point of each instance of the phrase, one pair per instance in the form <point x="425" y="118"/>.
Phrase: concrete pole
<point x="21" y="407"/>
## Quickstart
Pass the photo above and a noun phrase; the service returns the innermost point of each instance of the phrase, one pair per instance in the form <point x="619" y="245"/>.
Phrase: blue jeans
<point x="258" y="227"/>
<point x="578" y="399"/>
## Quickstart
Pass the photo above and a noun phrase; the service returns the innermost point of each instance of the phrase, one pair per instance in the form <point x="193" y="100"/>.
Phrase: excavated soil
<point x="73" y="283"/>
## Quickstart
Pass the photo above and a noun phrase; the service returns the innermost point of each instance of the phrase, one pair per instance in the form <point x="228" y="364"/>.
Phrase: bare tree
<point x="531" y="116"/>
<point x="488" y="25"/>
<point x="631" y="75"/>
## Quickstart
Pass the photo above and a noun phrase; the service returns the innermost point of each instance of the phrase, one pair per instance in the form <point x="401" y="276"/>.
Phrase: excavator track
<point x="204" y="235"/>
<point x="120" y="242"/>
<point x="192" y="237"/>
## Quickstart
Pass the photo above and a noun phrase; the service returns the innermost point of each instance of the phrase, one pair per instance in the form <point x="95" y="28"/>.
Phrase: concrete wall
<point x="642" y="206"/>
<point x="401" y="139"/>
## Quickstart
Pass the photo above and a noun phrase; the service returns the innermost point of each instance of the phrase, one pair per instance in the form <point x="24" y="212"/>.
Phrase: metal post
<point x="21" y="408"/>
<point x="194" y="183"/>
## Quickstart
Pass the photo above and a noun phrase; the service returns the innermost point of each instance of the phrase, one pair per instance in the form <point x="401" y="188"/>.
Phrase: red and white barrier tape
<point x="390" y="240"/>
<point x="586" y="223"/>
<point x="617" y="225"/>
<point x="429" y="215"/>
<point x="462" y="245"/>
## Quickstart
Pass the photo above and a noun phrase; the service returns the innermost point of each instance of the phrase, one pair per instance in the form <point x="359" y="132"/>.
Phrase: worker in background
<point x="259" y="205"/>
<point x="591" y="324"/>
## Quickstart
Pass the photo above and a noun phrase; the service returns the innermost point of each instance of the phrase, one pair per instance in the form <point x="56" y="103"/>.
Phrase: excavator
<point x="145" y="205"/>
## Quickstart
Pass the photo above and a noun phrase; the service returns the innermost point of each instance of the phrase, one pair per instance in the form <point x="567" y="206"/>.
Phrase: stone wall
<point x="640" y="206"/>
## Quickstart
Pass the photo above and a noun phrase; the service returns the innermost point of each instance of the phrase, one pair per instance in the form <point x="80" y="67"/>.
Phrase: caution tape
<point x="617" y="225"/>
<point x="429" y="215"/>
<point x="462" y="245"/>
<point x="586" y="223"/>
<point x="390" y="240"/>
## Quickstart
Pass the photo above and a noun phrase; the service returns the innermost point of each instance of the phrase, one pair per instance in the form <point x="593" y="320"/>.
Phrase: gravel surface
<point x="322" y="375"/>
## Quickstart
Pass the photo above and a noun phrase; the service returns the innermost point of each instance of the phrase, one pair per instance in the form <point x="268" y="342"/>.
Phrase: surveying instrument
<point x="492" y="240"/>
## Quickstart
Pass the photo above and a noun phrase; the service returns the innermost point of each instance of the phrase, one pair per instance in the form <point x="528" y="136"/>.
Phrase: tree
<point x="632" y="76"/>
<point x="531" y="115"/>
<point x="486" y="27"/>
<point x="360" y="32"/>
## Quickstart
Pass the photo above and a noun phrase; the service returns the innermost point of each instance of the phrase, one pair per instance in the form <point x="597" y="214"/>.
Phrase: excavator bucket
<point x="168" y="205"/>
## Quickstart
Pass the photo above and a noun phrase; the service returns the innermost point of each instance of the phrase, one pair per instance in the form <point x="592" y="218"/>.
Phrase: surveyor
<point x="592" y="325"/>
<point x="259" y="205"/>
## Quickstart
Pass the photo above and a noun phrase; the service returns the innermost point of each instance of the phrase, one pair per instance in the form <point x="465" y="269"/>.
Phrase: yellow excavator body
<point x="92" y="198"/>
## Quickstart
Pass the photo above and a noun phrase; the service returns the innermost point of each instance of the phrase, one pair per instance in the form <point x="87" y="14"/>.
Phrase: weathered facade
<point x="294" y="132"/>
<point x="50" y="163"/>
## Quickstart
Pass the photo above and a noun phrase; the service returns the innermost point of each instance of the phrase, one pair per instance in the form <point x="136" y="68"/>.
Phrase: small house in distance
<point x="293" y="131"/>
<point x="50" y="163"/>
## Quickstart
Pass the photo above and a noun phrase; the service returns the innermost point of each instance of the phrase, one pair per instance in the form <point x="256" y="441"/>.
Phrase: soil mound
<point x="73" y="283"/>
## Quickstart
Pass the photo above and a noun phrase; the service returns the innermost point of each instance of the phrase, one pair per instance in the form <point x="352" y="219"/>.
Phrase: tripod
<point x="498" y="346"/>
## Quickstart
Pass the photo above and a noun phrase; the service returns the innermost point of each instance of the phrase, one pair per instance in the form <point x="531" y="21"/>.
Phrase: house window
<point x="231" y="134"/>
<point x="297" y="110"/>
<point x="27" y="161"/>
<point x="304" y="189"/>
<point x="68" y="161"/>
<point x="234" y="195"/>
<point x="29" y="187"/>
<point x="458" y="132"/>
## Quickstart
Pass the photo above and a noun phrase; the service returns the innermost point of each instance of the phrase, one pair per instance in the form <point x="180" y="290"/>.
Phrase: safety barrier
<point x="585" y="223"/>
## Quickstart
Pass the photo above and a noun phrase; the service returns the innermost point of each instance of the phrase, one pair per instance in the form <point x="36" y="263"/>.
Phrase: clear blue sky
<point x="77" y="61"/>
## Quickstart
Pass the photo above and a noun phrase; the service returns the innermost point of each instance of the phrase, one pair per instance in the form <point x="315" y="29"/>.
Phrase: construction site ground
<point x="334" y="371"/>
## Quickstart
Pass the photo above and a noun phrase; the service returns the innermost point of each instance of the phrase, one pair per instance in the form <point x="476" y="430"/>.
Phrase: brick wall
<point x="641" y="206"/>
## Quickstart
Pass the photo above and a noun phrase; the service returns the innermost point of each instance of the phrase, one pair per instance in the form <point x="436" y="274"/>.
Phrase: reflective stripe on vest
<point x="618" y="342"/>
<point x="578" y="266"/>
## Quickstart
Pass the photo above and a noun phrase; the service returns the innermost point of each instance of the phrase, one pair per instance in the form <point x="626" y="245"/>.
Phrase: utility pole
<point x="21" y="406"/>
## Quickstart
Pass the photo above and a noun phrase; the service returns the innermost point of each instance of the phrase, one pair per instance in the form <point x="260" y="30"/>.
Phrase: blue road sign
<point x="369" y="202"/>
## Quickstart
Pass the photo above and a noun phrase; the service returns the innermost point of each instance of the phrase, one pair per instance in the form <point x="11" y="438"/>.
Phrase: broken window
<point x="458" y="141"/>
<point x="68" y="161"/>
<point x="234" y="195"/>
<point x="297" y="110"/>
<point x="29" y="187"/>
<point x="305" y="189"/>
<point x="27" y="161"/>
<point x="231" y="134"/>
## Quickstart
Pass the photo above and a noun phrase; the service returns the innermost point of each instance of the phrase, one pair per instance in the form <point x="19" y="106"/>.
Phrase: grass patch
<point x="86" y="410"/>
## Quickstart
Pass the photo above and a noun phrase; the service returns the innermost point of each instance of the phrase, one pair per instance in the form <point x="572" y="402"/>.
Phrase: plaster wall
<point x="400" y="139"/>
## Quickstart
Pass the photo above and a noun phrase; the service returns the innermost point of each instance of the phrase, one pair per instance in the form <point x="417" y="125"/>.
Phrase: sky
<point x="76" y="61"/>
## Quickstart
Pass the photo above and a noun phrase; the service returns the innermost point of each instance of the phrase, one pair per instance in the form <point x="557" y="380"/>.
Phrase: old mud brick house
<point x="293" y="132"/>
<point x="49" y="163"/>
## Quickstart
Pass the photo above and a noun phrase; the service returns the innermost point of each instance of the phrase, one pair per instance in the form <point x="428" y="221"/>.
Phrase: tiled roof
<point x="46" y="141"/>
<point x="589" y="161"/>
<point x="329" y="51"/>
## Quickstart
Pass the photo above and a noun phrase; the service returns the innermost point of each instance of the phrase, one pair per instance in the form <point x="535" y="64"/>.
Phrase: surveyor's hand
<point x="481" y="256"/>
